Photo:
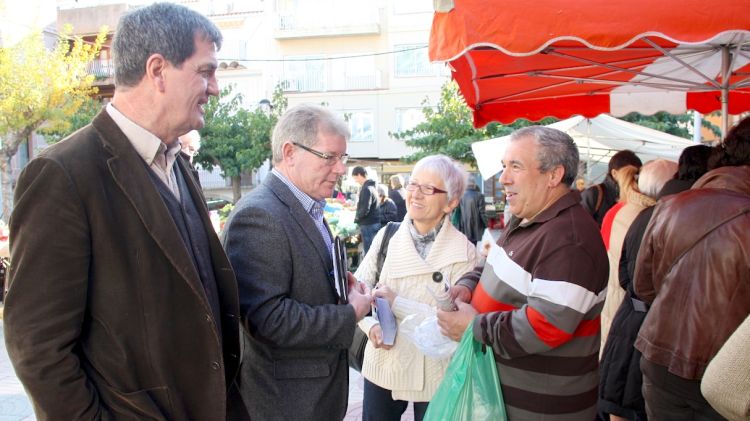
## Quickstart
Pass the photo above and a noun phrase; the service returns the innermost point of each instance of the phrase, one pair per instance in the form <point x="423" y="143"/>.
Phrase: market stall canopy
<point x="516" y="59"/>
<point x="597" y="138"/>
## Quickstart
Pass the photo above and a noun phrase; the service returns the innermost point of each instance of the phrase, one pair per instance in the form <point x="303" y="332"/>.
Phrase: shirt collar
<point x="145" y="143"/>
<point x="305" y="200"/>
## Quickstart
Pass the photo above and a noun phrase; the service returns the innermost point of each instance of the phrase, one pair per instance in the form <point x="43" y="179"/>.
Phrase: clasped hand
<point x="360" y="297"/>
<point x="453" y="324"/>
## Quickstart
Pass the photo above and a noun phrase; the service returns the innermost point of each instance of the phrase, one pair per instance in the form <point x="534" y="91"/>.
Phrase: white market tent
<point x="597" y="138"/>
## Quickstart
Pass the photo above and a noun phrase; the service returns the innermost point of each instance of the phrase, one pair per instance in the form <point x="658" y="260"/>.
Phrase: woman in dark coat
<point x="398" y="194"/>
<point x="387" y="209"/>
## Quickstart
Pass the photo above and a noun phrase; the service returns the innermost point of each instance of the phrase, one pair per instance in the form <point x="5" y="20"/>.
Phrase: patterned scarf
<point x="423" y="242"/>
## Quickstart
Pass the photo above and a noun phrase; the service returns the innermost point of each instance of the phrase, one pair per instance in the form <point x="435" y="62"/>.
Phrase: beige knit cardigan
<point x="636" y="202"/>
<point x="726" y="382"/>
<point x="409" y="374"/>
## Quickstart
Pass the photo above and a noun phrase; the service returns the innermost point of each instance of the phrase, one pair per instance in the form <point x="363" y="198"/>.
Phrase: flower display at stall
<point x="340" y="218"/>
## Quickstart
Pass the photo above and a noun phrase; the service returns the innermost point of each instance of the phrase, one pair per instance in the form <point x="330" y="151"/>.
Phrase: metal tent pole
<point x="725" y="67"/>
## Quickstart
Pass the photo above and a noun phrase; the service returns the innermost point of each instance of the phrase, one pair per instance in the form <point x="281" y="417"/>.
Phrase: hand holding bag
<point x="470" y="389"/>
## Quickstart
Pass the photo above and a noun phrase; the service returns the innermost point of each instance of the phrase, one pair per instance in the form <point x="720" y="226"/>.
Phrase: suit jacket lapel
<point x="130" y="173"/>
<point x="298" y="214"/>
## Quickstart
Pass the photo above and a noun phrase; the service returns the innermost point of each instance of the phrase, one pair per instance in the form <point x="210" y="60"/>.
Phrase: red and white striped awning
<point x="519" y="59"/>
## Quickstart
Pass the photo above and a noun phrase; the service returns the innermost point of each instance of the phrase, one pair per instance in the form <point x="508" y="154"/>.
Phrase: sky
<point x="19" y="18"/>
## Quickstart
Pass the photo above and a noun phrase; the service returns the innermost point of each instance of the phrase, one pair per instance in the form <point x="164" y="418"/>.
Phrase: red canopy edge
<point x="472" y="24"/>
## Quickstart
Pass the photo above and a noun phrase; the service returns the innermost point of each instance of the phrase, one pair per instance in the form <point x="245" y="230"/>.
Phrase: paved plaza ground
<point x="15" y="406"/>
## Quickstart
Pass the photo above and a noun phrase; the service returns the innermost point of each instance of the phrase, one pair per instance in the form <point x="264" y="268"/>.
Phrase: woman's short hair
<point x="453" y="175"/>
<point x="382" y="191"/>
<point x="301" y="124"/>
<point x="396" y="181"/>
<point x="654" y="174"/>
<point x="693" y="162"/>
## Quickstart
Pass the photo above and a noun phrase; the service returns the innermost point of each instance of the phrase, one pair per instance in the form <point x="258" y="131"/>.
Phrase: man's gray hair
<point x="654" y="174"/>
<point x="302" y="123"/>
<point x="453" y="175"/>
<point x="162" y="28"/>
<point x="555" y="148"/>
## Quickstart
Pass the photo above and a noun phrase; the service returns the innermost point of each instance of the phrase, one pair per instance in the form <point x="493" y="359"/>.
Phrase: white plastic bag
<point x="423" y="331"/>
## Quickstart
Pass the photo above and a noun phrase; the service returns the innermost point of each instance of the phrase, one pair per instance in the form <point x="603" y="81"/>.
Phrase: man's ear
<point x="155" y="71"/>
<point x="556" y="175"/>
<point x="287" y="153"/>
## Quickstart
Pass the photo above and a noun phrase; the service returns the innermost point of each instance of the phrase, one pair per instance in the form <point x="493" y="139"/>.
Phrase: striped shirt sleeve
<point x="543" y="310"/>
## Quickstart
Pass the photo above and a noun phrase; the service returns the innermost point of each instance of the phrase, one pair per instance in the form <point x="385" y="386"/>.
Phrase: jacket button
<point x="215" y="366"/>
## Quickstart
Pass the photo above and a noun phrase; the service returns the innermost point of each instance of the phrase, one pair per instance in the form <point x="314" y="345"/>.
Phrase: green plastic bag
<point x="470" y="389"/>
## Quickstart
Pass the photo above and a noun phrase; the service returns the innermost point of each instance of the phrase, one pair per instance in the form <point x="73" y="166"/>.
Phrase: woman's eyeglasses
<point x="330" y="159"/>
<point x="427" y="190"/>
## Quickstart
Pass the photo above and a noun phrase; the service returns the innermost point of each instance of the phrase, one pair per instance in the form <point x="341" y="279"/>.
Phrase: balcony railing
<point x="101" y="69"/>
<point x="334" y="23"/>
<point x="315" y="18"/>
<point x="327" y="81"/>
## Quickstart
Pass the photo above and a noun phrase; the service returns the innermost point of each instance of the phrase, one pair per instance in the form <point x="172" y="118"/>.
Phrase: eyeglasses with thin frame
<point x="426" y="190"/>
<point x="330" y="159"/>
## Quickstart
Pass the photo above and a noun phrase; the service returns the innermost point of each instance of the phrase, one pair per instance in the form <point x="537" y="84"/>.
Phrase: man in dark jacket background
<point x="472" y="219"/>
<point x="397" y="193"/>
<point x="368" y="214"/>
<point x="388" y="210"/>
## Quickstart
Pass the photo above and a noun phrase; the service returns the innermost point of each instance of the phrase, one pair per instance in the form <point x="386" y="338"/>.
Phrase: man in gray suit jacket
<point x="297" y="331"/>
<point x="122" y="304"/>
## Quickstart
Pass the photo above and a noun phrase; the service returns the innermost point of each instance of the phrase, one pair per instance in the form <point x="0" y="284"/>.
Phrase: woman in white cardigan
<point x="425" y="243"/>
<point x="726" y="382"/>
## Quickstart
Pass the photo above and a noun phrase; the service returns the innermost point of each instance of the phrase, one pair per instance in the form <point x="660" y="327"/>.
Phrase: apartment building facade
<point x="366" y="60"/>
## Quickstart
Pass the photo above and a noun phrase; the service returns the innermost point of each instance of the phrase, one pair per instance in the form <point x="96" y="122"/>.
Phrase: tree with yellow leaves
<point x="40" y="88"/>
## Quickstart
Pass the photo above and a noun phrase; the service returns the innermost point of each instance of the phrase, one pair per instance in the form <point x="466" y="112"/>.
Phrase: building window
<point x="408" y="118"/>
<point x="411" y="60"/>
<point x="360" y="124"/>
<point x="318" y="74"/>
<point x="307" y="14"/>
<point x="304" y="74"/>
<point x="233" y="49"/>
<point x="354" y="72"/>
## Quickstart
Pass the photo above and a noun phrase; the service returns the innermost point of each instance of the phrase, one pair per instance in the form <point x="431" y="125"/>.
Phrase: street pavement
<point x="15" y="405"/>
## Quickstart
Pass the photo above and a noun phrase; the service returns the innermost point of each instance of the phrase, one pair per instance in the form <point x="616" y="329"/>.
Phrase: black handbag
<point x="359" y="342"/>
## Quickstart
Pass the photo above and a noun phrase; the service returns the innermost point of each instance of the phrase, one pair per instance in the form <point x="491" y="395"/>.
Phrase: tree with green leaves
<point x="235" y="139"/>
<point x="86" y="112"/>
<point x="40" y="88"/>
<point x="674" y="124"/>
<point x="448" y="128"/>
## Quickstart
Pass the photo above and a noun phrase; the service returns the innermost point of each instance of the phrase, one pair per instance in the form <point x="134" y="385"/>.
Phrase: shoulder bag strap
<point x="390" y="229"/>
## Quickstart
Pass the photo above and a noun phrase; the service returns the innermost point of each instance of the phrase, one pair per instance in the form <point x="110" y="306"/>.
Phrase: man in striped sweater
<point x="536" y="301"/>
